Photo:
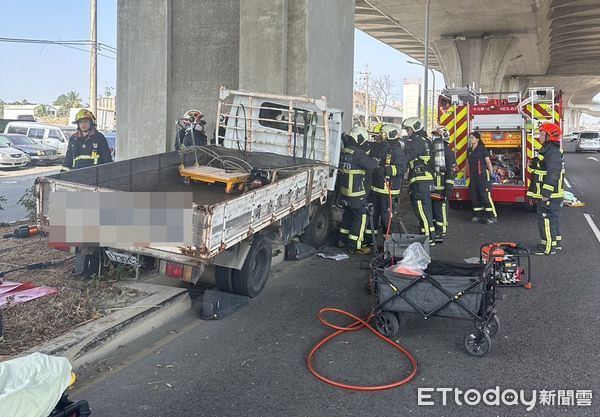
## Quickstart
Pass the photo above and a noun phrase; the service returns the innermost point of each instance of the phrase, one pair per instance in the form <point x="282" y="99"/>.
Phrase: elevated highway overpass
<point x="499" y="46"/>
<point x="174" y="55"/>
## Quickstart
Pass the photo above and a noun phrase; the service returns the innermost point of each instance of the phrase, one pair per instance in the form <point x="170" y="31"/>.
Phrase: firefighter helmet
<point x="412" y="122"/>
<point x="192" y="114"/>
<point x="377" y="128"/>
<point x="553" y="131"/>
<point x="85" y="114"/>
<point x="360" y="135"/>
<point x="443" y="132"/>
<point x="390" y="131"/>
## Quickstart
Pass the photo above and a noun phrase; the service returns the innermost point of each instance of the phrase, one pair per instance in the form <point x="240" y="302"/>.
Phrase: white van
<point x="47" y="135"/>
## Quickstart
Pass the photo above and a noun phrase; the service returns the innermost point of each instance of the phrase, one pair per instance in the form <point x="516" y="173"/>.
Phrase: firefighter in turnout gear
<point x="354" y="164"/>
<point x="387" y="178"/>
<point x="479" y="172"/>
<point x="87" y="147"/>
<point x="546" y="186"/>
<point x="443" y="184"/>
<point x="420" y="176"/>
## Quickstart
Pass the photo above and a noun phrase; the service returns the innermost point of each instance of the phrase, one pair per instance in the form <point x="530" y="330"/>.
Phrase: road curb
<point x="99" y="338"/>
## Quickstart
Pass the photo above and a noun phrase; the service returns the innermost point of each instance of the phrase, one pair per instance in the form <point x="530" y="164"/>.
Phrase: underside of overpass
<point x="174" y="55"/>
<point x="498" y="46"/>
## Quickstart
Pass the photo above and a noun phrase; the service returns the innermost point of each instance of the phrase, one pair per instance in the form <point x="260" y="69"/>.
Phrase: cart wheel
<point x="478" y="344"/>
<point x="491" y="328"/>
<point x="387" y="324"/>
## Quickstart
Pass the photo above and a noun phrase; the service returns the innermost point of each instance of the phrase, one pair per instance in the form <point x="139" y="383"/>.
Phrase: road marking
<point x="591" y="157"/>
<point x="592" y="225"/>
<point x="567" y="183"/>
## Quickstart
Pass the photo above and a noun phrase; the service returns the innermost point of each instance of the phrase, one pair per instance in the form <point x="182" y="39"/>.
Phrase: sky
<point x="371" y="55"/>
<point x="40" y="73"/>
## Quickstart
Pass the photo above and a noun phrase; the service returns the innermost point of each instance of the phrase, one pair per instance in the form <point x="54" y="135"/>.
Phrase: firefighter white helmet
<point x="360" y="135"/>
<point x="412" y="122"/>
<point x="390" y="131"/>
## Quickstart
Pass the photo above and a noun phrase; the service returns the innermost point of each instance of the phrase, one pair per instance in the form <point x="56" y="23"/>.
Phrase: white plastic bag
<point x="415" y="257"/>
<point x="31" y="386"/>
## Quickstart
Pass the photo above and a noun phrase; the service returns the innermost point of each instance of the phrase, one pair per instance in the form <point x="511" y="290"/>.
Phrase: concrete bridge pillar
<point x="478" y="61"/>
<point x="175" y="55"/>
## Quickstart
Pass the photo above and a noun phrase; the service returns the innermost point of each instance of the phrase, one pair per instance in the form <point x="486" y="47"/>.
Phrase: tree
<point x="43" y="110"/>
<point x="21" y="103"/>
<point x="380" y="90"/>
<point x="67" y="101"/>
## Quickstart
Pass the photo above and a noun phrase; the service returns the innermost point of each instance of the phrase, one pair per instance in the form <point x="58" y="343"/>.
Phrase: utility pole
<point x="426" y="66"/>
<point x="366" y="74"/>
<point x="368" y="100"/>
<point x="93" y="60"/>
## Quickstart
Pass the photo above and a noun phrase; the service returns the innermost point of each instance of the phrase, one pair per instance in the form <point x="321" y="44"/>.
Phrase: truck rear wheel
<point x="317" y="232"/>
<point x="251" y="279"/>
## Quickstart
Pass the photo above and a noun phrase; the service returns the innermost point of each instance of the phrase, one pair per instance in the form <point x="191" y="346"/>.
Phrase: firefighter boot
<point x="365" y="250"/>
<point x="491" y="219"/>
<point x="541" y="250"/>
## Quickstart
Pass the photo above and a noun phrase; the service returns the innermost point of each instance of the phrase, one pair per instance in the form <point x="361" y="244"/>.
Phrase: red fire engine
<point x="508" y="127"/>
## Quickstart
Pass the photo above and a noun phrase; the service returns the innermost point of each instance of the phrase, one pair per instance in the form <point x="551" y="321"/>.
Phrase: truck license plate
<point x="122" y="258"/>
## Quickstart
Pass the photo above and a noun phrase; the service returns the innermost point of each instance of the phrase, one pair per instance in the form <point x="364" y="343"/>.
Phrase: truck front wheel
<point x="251" y="279"/>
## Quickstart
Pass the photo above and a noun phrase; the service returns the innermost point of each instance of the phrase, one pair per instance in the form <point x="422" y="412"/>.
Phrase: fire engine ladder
<point x="538" y="108"/>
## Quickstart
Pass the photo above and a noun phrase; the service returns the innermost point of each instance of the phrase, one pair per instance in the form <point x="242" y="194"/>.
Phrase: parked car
<point x="39" y="154"/>
<point x="588" y="142"/>
<point x="68" y="131"/>
<point x="47" y="135"/>
<point x="11" y="157"/>
<point x="573" y="136"/>
<point x="111" y="139"/>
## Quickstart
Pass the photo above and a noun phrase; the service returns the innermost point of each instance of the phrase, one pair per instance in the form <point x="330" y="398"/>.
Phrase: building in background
<point x="411" y="98"/>
<point x="26" y="111"/>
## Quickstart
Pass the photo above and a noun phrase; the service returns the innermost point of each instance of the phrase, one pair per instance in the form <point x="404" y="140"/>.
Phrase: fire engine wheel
<point x="478" y="343"/>
<point x="387" y="324"/>
<point x="455" y="204"/>
<point x="317" y="232"/>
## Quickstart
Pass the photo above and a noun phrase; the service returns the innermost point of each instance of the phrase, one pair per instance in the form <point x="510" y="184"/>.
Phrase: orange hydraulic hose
<point x="357" y="325"/>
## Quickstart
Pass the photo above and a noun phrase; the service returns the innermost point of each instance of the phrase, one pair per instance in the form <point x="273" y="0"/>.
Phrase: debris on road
<point x="12" y="293"/>
<point x="569" y="200"/>
<point x="330" y="253"/>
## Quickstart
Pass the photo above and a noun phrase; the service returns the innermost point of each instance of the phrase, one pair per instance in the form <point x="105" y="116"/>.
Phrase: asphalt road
<point x="13" y="185"/>
<point x="252" y="363"/>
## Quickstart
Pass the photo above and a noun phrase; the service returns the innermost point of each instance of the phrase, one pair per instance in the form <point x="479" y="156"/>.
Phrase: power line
<point x="67" y="44"/>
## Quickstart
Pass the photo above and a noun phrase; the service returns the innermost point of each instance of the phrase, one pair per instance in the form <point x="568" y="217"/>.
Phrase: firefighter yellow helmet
<point x="377" y="128"/>
<point x="390" y="131"/>
<point x="360" y="135"/>
<point x="412" y="122"/>
<point x="85" y="114"/>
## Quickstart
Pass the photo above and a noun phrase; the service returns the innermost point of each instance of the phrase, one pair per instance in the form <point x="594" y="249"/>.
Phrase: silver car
<point x="11" y="157"/>
<point x="588" y="142"/>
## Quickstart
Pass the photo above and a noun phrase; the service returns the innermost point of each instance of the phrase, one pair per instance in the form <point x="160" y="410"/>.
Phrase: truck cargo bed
<point x="220" y="220"/>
